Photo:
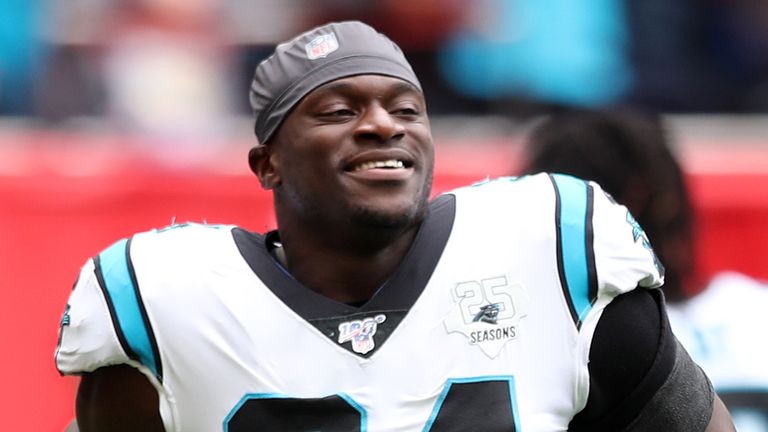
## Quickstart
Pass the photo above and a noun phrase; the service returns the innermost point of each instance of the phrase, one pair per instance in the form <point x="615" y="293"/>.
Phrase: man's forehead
<point x="366" y="83"/>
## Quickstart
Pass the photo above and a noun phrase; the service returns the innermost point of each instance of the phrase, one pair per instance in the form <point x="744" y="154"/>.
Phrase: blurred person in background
<point x="723" y="323"/>
<point x="22" y="56"/>
<point x="525" y="55"/>
<point x="168" y="76"/>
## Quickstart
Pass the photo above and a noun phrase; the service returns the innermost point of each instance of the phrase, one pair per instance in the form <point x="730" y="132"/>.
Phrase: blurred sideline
<point x="68" y="194"/>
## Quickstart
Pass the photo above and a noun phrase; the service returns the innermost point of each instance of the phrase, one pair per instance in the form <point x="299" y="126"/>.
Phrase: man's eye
<point x="339" y="113"/>
<point x="407" y="112"/>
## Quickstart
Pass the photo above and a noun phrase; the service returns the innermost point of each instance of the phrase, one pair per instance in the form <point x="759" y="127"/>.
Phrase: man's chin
<point x="388" y="218"/>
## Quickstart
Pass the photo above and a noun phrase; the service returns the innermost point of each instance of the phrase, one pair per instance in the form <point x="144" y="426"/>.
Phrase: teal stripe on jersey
<point x="573" y="240"/>
<point x="122" y="291"/>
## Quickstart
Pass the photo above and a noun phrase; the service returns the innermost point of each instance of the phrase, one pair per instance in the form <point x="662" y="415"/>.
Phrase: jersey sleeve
<point x="635" y="365"/>
<point x="87" y="337"/>
<point x="601" y="250"/>
<point x="107" y="320"/>
<point x="624" y="257"/>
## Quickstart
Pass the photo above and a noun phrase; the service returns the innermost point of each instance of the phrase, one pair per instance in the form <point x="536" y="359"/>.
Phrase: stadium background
<point x="123" y="115"/>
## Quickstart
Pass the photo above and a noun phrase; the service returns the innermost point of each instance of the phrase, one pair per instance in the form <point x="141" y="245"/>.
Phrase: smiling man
<point x="523" y="304"/>
<point x="365" y="141"/>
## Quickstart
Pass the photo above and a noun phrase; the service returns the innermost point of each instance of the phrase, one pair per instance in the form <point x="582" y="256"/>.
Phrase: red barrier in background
<point x="58" y="207"/>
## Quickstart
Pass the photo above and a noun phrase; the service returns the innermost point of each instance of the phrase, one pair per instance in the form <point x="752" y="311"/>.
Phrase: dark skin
<point x="117" y="399"/>
<point x="347" y="247"/>
<point x="365" y="141"/>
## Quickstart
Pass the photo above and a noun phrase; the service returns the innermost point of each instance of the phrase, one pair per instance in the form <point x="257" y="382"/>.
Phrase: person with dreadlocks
<point x="721" y="322"/>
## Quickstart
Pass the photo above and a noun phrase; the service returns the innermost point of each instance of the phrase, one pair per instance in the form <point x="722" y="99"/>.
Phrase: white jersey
<point x="723" y="328"/>
<point x="486" y="325"/>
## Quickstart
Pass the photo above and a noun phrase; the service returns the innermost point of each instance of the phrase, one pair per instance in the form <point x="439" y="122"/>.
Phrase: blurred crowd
<point x="180" y="68"/>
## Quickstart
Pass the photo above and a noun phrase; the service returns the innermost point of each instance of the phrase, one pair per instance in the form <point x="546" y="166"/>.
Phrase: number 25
<point x="472" y="295"/>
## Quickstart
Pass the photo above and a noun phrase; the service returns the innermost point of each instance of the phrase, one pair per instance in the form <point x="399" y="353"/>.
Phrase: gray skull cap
<point x="321" y="55"/>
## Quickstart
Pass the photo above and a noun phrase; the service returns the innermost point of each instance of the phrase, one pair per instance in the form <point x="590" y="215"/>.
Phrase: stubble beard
<point x="361" y="216"/>
<point x="373" y="218"/>
<point x="388" y="220"/>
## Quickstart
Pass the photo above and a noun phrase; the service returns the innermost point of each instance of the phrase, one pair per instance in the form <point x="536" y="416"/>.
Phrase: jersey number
<point x="465" y="404"/>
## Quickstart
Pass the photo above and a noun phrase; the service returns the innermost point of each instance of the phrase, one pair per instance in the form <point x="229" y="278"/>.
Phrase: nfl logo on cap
<point x="321" y="46"/>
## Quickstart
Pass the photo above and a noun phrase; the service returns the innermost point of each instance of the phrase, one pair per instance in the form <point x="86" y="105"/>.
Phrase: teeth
<point x="380" y="164"/>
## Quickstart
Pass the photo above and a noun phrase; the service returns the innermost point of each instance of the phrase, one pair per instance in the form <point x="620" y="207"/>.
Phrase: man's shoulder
<point x="524" y="181"/>
<point x="184" y="232"/>
<point x="178" y="239"/>
<point x="191" y="229"/>
<point x="502" y="189"/>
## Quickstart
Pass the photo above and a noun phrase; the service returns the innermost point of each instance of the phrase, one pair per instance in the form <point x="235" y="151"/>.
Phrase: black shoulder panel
<point x="631" y="357"/>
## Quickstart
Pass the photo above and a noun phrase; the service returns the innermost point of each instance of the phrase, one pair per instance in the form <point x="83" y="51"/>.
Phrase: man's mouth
<point x="384" y="164"/>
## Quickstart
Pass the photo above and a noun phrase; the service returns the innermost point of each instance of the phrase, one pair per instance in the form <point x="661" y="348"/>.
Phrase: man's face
<point x="356" y="150"/>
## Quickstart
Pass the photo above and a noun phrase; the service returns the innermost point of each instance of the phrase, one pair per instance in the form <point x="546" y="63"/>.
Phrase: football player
<point x="517" y="304"/>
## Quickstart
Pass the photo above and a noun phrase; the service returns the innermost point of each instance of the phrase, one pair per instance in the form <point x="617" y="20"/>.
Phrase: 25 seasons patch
<point x="488" y="312"/>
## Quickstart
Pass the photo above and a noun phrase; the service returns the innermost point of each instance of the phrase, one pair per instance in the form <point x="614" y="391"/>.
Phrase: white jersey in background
<point x="724" y="329"/>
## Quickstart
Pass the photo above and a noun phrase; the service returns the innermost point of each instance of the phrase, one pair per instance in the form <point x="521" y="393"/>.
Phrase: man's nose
<point x="379" y="124"/>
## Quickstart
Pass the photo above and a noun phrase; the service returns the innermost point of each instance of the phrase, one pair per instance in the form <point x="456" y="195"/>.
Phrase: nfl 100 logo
<point x="321" y="46"/>
<point x="360" y="333"/>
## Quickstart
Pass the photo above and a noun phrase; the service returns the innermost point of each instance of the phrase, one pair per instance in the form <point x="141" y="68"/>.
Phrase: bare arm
<point x="117" y="399"/>
<point x="721" y="419"/>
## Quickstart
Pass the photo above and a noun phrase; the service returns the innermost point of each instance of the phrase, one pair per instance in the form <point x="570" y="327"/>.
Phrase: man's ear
<point x="263" y="164"/>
